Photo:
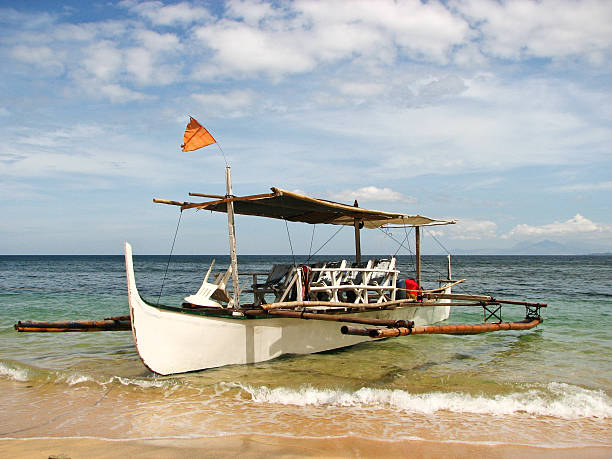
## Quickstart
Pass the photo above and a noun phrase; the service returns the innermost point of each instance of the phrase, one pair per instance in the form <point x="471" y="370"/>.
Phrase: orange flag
<point x="196" y="136"/>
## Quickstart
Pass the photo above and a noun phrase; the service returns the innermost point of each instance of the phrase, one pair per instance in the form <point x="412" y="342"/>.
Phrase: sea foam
<point x="16" y="374"/>
<point x="558" y="400"/>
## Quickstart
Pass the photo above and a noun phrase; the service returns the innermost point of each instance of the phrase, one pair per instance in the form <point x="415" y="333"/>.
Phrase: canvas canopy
<point x="295" y="207"/>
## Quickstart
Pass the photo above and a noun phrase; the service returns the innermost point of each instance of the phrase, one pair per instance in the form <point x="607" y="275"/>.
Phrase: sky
<point x="495" y="113"/>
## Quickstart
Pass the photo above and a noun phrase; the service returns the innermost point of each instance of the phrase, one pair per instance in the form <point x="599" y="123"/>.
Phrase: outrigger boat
<point x="296" y="310"/>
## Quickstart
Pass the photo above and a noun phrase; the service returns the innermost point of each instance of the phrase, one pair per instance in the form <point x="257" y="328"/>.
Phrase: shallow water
<point x="548" y="386"/>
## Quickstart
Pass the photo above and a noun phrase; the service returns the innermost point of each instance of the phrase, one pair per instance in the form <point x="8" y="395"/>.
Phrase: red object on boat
<point x="412" y="288"/>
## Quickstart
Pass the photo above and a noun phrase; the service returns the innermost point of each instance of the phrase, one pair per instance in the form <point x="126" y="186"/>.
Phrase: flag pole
<point x="197" y="136"/>
<point x="232" y="236"/>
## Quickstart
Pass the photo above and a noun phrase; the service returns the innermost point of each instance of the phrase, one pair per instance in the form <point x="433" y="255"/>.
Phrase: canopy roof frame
<point x="290" y="206"/>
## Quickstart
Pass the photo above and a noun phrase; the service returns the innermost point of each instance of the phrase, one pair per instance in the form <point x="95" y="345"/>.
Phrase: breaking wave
<point x="557" y="400"/>
<point x="13" y="372"/>
<point x="17" y="372"/>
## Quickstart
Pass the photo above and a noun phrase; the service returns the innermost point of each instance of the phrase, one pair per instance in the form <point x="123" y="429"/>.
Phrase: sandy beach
<point x="270" y="446"/>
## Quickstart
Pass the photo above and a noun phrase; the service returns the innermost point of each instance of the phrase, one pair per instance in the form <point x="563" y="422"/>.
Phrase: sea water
<point x="549" y="386"/>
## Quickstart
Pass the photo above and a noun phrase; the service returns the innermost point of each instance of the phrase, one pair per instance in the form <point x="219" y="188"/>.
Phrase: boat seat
<point x="330" y="276"/>
<point x="357" y="278"/>
<point x="211" y="291"/>
<point x="382" y="268"/>
<point x="384" y="276"/>
<point x="275" y="283"/>
<point x="275" y="276"/>
<point x="326" y="277"/>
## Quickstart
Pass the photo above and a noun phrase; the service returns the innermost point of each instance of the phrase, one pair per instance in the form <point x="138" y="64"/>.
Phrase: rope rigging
<point x="320" y="248"/>
<point x="170" y="256"/>
<point x="406" y="239"/>
<point x="290" y="244"/>
<point x="311" y="239"/>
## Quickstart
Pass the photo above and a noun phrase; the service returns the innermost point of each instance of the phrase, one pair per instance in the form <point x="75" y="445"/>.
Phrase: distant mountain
<point x="545" y="247"/>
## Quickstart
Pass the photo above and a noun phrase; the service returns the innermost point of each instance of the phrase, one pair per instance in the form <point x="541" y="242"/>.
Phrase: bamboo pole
<point x="457" y="296"/>
<point x="485" y="298"/>
<point x="204" y="195"/>
<point x="460" y="329"/>
<point x="64" y="330"/>
<point x="385" y="305"/>
<point x="357" y="237"/>
<point x="417" y="232"/>
<point x="441" y="289"/>
<point x="523" y="303"/>
<point x="73" y="325"/>
<point x="204" y="205"/>
<point x="232" y="236"/>
<point x="171" y="203"/>
<point x="330" y="317"/>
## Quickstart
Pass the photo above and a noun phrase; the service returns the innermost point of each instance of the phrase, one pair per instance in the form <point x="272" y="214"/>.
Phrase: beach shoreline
<point x="543" y="393"/>
<point x="278" y="446"/>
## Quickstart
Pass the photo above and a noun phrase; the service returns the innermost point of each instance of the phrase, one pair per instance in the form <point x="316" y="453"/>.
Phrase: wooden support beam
<point x="232" y="237"/>
<point x="230" y="199"/>
<point x="74" y="325"/>
<point x="172" y="203"/>
<point x="332" y="317"/>
<point x="204" y="195"/>
<point x="460" y="329"/>
<point x="417" y="232"/>
<point x="363" y="306"/>
<point x="357" y="237"/>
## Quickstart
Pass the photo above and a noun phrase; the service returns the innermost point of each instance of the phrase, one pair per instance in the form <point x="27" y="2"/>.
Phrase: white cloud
<point x="43" y="57"/>
<point x="577" y="225"/>
<point x="596" y="186"/>
<point x="360" y="89"/>
<point x="103" y="60"/>
<point x="251" y="12"/>
<point x="230" y="102"/>
<point x="76" y="153"/>
<point x="158" y="42"/>
<point x="448" y="85"/>
<point x="467" y="229"/>
<point x="546" y="28"/>
<point x="258" y="38"/>
<point x="425" y="30"/>
<point x="241" y="50"/>
<point x="120" y="94"/>
<point x="372" y="194"/>
<point x="59" y="137"/>
<point x="26" y="20"/>
<point x="159" y="14"/>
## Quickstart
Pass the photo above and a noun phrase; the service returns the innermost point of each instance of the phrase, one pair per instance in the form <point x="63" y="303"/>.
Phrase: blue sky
<point x="495" y="113"/>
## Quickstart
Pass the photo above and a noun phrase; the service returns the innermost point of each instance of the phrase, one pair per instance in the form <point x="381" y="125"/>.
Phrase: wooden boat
<point x="297" y="309"/>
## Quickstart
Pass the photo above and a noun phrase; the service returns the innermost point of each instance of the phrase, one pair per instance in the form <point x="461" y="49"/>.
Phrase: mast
<point x="232" y="236"/>
<point x="417" y="231"/>
<point x="357" y="237"/>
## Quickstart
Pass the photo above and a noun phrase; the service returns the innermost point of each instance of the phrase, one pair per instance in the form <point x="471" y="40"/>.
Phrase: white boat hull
<point x="175" y="340"/>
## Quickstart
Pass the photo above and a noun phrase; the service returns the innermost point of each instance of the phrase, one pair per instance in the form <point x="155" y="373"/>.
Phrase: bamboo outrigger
<point x="108" y="324"/>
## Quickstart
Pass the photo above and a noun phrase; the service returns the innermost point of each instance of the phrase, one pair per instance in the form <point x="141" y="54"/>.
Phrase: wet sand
<point x="271" y="446"/>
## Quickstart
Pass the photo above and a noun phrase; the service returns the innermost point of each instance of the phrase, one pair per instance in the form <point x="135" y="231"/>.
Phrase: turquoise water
<point x="548" y="386"/>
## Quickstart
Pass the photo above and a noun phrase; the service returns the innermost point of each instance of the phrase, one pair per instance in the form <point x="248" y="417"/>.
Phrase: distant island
<point x="544" y="247"/>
